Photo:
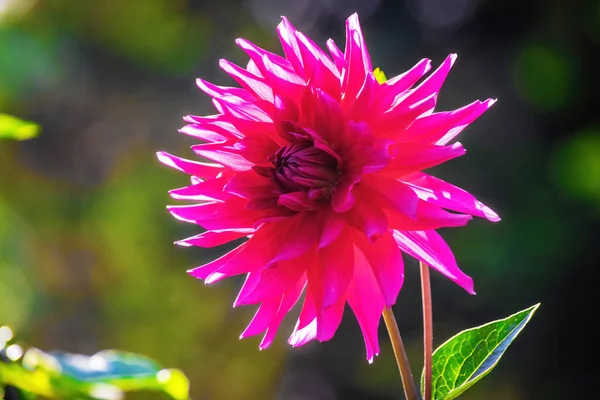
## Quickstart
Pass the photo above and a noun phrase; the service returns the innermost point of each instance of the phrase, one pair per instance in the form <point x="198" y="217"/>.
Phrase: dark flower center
<point x="304" y="167"/>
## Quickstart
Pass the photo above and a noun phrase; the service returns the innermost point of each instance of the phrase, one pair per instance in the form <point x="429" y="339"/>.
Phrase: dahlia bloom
<point x="320" y="167"/>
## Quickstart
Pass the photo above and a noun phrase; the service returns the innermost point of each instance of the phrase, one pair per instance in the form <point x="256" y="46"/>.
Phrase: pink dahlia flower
<point x="320" y="167"/>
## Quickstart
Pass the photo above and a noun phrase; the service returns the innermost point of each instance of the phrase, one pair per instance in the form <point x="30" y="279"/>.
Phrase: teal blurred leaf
<point x="15" y="128"/>
<point x="471" y="354"/>
<point x="106" y="375"/>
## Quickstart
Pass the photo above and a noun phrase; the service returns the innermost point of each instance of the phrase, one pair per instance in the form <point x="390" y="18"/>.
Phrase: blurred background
<point x="86" y="254"/>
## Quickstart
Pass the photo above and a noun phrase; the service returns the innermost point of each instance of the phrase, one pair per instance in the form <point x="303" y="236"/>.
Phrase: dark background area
<point x="86" y="260"/>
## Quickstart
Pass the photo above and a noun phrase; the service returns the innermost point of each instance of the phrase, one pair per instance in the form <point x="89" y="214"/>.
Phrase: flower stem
<point x="427" y="330"/>
<point x="405" y="374"/>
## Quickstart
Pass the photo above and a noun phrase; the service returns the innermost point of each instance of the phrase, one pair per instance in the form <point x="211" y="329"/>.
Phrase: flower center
<point x="304" y="167"/>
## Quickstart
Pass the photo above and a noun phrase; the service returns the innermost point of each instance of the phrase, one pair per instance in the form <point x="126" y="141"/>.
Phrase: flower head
<point x="320" y="166"/>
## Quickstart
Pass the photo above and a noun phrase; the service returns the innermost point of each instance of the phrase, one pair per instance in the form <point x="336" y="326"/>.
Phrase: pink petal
<point x="224" y="92"/>
<point x="332" y="227"/>
<point x="312" y="326"/>
<point x="223" y="153"/>
<point x="256" y="148"/>
<point x="257" y="54"/>
<point x="248" y="118"/>
<point x="415" y="157"/>
<point x="366" y="300"/>
<point x="434" y="82"/>
<point x="208" y="190"/>
<point x="301" y="336"/>
<point x="385" y="260"/>
<point x="282" y="80"/>
<point x="430" y="248"/>
<point x="391" y="193"/>
<point x="248" y="80"/>
<point x="257" y="253"/>
<point x="402" y="114"/>
<point x="203" y="271"/>
<point x="287" y="36"/>
<point x="272" y="281"/>
<point x="262" y="319"/>
<point x="215" y="238"/>
<point x="319" y="70"/>
<point x="336" y="54"/>
<point x="399" y="84"/>
<point x="328" y="119"/>
<point x="358" y="62"/>
<point x="297" y="201"/>
<point x="368" y="218"/>
<point x="443" y="194"/>
<point x="213" y="128"/>
<point x="250" y="185"/>
<point x="306" y="326"/>
<point x="204" y="170"/>
<point x="361" y="109"/>
<point x="441" y="128"/>
<point x="328" y="279"/>
<point x="429" y="216"/>
<point x="329" y="321"/>
<point x="217" y="215"/>
<point x="287" y="302"/>
<point x="305" y="231"/>
<point x="202" y="133"/>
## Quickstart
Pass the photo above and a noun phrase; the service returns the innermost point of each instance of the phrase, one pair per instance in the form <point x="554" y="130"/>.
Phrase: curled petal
<point x="430" y="248"/>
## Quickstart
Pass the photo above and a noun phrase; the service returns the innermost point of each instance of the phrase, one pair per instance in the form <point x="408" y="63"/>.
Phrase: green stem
<point x="405" y="374"/>
<point x="427" y="330"/>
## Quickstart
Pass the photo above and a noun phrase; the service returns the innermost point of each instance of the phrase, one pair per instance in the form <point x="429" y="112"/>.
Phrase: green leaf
<point x="17" y="129"/>
<point x="127" y="371"/>
<point x="379" y="75"/>
<point x="471" y="354"/>
<point x="102" y="376"/>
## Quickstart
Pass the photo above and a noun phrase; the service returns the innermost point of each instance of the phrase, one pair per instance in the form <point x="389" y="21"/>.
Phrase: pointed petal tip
<point x="353" y="23"/>
<point x="182" y="243"/>
<point x="264" y="345"/>
<point x="371" y="357"/>
<point x="193" y="273"/>
<point x="490" y="214"/>
<point x="214" y="277"/>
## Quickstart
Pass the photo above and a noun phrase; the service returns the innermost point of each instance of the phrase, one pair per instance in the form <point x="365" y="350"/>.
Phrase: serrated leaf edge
<point x="456" y="391"/>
